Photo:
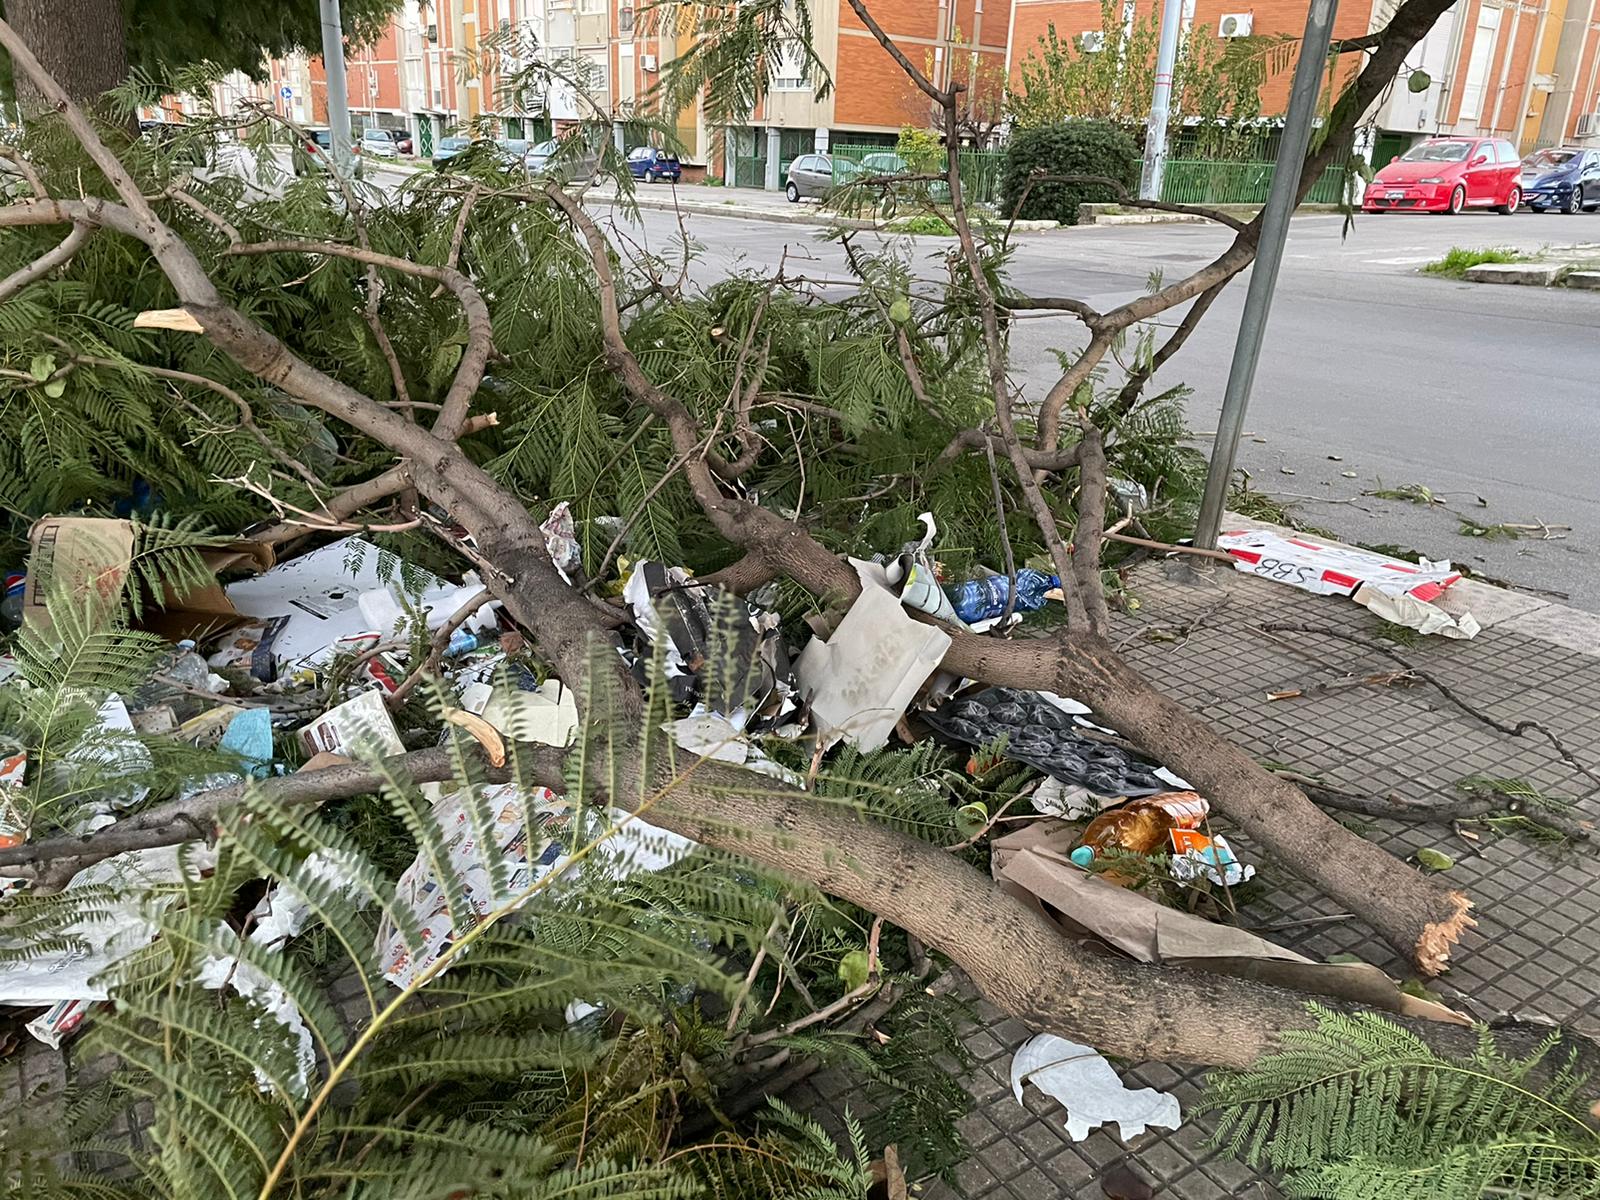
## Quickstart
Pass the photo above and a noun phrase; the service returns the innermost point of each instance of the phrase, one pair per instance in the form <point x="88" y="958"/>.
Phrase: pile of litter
<point x="311" y="659"/>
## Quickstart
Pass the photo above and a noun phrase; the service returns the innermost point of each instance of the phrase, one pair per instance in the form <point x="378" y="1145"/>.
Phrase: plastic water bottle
<point x="981" y="599"/>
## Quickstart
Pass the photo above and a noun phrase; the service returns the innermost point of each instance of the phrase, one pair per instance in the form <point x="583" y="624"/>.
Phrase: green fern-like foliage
<point x="1360" y="1109"/>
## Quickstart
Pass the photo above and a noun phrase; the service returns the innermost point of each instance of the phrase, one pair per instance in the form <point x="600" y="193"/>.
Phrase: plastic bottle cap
<point x="1083" y="855"/>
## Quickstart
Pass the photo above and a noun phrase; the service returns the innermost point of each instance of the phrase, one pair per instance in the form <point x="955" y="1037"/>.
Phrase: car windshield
<point x="1546" y="160"/>
<point x="515" y="145"/>
<point x="544" y="149"/>
<point x="453" y="143"/>
<point x="1437" y="152"/>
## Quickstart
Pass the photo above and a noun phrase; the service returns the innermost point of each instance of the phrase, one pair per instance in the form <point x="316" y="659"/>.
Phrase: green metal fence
<point x="749" y="171"/>
<point x="980" y="169"/>
<point x="1197" y="181"/>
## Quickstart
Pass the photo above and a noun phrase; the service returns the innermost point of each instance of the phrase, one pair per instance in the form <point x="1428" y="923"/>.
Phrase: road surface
<point x="1369" y="367"/>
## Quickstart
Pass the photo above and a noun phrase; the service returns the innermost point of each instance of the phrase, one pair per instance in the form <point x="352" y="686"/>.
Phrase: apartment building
<point x="1527" y="70"/>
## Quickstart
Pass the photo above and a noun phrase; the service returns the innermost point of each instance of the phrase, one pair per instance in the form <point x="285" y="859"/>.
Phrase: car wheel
<point x="650" y="175"/>
<point x="792" y="192"/>
<point x="1574" y="200"/>
<point x="1458" y="200"/>
<point x="1510" y="206"/>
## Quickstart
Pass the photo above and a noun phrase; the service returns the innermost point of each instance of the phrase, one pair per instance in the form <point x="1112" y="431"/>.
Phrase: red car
<point x="1448" y="175"/>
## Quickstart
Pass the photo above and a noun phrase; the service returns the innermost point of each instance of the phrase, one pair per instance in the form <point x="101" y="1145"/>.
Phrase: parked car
<point x="1566" y="177"/>
<point x="883" y="162"/>
<point x="651" y="163"/>
<point x="316" y="153"/>
<point x="557" y="157"/>
<point x="447" y="149"/>
<point x="1448" y="175"/>
<point x="385" y="143"/>
<point x="809" y="175"/>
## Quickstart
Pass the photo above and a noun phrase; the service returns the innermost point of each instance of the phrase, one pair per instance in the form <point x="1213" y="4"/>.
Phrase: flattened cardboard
<point x="1032" y="865"/>
<point x="92" y="556"/>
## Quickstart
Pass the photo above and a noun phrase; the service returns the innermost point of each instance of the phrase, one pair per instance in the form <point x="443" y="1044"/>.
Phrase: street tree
<point x="476" y="348"/>
<point x="1108" y="74"/>
<point x="90" y="46"/>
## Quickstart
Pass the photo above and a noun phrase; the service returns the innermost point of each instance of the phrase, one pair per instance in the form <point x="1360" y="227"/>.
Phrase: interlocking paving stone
<point x="1536" y="951"/>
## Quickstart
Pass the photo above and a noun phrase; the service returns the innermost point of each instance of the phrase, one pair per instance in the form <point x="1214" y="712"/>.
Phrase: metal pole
<point x="338" y="97"/>
<point x="1155" y="136"/>
<point x="1269" y="257"/>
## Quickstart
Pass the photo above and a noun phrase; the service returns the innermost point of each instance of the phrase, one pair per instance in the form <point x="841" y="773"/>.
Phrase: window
<point x="639" y="154"/>
<point x="1508" y="152"/>
<point x="625" y="20"/>
<point x="789" y="73"/>
<point x="1438" y="151"/>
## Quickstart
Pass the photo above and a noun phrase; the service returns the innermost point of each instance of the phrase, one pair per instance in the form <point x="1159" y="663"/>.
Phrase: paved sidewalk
<point x="1536" y="951"/>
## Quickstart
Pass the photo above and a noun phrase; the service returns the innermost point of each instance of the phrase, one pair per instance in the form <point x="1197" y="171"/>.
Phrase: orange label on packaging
<point x="1186" y="840"/>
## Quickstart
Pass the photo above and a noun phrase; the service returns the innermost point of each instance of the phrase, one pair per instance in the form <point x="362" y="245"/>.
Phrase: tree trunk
<point x="83" y="43"/>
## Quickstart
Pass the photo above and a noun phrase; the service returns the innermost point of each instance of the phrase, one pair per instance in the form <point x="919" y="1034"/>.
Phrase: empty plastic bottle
<point x="1140" y="826"/>
<point x="981" y="599"/>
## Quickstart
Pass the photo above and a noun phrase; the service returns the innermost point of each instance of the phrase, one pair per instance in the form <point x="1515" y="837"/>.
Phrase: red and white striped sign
<point x="1333" y="570"/>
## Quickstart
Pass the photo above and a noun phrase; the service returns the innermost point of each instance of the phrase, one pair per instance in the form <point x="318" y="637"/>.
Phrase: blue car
<point x="650" y="164"/>
<point x="1566" y="177"/>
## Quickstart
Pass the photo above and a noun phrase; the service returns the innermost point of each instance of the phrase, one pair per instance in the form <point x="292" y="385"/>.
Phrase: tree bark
<point x="83" y="43"/>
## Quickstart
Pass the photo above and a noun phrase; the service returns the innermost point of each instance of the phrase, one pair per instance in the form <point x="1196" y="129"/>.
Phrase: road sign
<point x="286" y="92"/>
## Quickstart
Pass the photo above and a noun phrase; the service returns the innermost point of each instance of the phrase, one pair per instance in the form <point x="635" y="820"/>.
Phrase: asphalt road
<point x="1369" y="368"/>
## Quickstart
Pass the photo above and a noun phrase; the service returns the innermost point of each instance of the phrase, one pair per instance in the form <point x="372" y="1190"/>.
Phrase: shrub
<point x="1070" y="148"/>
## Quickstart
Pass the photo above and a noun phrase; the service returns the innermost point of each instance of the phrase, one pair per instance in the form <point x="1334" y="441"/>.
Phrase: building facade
<point x="1527" y="70"/>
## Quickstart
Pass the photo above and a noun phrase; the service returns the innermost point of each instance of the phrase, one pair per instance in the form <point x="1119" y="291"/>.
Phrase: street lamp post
<point x="1269" y="257"/>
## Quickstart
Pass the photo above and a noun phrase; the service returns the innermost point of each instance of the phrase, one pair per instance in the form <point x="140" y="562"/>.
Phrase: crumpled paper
<point x="1089" y="1089"/>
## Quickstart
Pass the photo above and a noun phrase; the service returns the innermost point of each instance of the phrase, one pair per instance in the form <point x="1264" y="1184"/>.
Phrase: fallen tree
<point x="1013" y="955"/>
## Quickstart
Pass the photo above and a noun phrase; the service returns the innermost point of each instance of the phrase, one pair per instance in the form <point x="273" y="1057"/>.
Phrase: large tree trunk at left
<point x="83" y="43"/>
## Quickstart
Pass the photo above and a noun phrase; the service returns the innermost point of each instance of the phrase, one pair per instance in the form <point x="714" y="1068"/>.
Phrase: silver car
<point x="809" y="175"/>
<point x="553" y="158"/>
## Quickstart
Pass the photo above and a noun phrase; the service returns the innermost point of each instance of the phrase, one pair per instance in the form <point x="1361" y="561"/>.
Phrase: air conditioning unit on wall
<point x="1235" y="25"/>
<point x="647" y="61"/>
<point x="1589" y="125"/>
<point x="1094" y="41"/>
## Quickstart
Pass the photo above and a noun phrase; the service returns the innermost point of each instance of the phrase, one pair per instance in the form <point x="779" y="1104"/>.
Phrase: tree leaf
<point x="854" y="968"/>
<point x="1435" y="860"/>
<point x="42" y="366"/>
<point x="55" y="388"/>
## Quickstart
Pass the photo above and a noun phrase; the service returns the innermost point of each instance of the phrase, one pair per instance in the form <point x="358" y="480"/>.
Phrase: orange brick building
<point x="1528" y="70"/>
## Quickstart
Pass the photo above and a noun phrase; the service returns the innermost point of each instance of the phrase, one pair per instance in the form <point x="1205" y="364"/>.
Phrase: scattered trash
<point x="1056" y="799"/>
<point x="702" y="624"/>
<point x="984" y="599"/>
<point x="1086" y="1086"/>
<point x="528" y="832"/>
<point x="345" y="589"/>
<point x="359" y="728"/>
<point x="862" y="679"/>
<point x="1041" y="734"/>
<point x="561" y="541"/>
<point x="1195" y="855"/>
<point x="1032" y="864"/>
<point x="1140" y="827"/>
<point x="1396" y="590"/>
<point x="93" y="555"/>
<point x="60" y="1021"/>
